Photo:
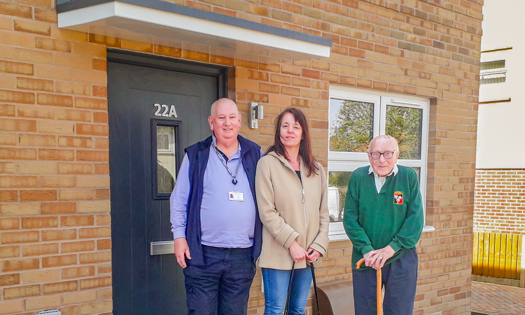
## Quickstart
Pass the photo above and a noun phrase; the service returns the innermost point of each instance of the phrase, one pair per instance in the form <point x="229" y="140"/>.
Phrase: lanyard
<point x="234" y="176"/>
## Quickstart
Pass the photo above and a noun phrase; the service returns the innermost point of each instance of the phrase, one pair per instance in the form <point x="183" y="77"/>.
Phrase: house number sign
<point x="165" y="110"/>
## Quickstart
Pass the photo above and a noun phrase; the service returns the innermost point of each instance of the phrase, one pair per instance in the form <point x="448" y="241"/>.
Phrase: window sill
<point x="335" y="237"/>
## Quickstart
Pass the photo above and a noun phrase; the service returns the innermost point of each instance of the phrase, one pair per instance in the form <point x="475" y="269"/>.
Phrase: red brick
<point x="77" y="272"/>
<point x="16" y="67"/>
<point x="58" y="261"/>
<point x="93" y="258"/>
<point x="95" y="130"/>
<point x="91" y="103"/>
<point x="82" y="220"/>
<point x="8" y="196"/>
<point x="20" y="292"/>
<point x="59" y="208"/>
<point x="9" y="279"/>
<point x="56" y="155"/>
<point x="56" y="235"/>
<point x="103" y="244"/>
<point x="16" y="10"/>
<point x="33" y="27"/>
<point x="100" y="91"/>
<point x="17" y="125"/>
<point x="60" y="287"/>
<point x="94" y="232"/>
<point x="95" y="156"/>
<point x="18" y="181"/>
<point x="9" y="252"/>
<point x="9" y="224"/>
<point x="95" y="283"/>
<point x="39" y="249"/>
<point x="82" y="246"/>
<point x="20" y="237"/>
<point x="55" y="100"/>
<point x="38" y="195"/>
<point x="20" y="264"/>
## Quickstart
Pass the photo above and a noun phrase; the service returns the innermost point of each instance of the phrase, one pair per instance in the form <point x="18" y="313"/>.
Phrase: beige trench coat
<point x="290" y="211"/>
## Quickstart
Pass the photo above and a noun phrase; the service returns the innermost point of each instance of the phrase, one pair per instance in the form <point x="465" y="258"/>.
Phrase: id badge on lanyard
<point x="232" y="195"/>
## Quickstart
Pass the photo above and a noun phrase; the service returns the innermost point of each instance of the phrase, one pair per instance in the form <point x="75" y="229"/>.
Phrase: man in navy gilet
<point x="214" y="216"/>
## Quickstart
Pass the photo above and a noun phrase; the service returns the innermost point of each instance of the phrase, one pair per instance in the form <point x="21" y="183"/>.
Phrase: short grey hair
<point x="384" y="137"/>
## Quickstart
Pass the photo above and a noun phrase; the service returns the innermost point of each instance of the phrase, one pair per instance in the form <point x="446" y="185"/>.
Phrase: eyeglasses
<point x="387" y="155"/>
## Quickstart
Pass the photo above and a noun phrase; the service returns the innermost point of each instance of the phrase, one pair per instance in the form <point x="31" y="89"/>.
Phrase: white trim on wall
<point x="122" y="14"/>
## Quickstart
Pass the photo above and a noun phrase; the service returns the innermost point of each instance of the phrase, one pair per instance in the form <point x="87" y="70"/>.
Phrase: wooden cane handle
<point x="359" y="263"/>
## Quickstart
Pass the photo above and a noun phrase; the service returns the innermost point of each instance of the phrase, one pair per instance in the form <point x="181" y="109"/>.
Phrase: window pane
<point x="492" y="65"/>
<point x="418" y="172"/>
<point x="351" y="125"/>
<point x="404" y="124"/>
<point x="165" y="159"/>
<point x="337" y="188"/>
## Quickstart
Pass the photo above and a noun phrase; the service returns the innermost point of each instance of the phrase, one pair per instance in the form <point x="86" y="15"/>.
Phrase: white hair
<point x="386" y="138"/>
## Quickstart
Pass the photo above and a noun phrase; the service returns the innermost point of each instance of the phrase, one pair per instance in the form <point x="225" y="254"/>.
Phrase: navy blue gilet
<point x="198" y="155"/>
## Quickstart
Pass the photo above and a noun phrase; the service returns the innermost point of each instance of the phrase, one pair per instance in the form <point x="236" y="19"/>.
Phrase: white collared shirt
<point x="380" y="180"/>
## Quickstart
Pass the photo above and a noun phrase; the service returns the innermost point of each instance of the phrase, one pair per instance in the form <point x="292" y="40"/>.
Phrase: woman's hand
<point x="313" y="255"/>
<point x="297" y="252"/>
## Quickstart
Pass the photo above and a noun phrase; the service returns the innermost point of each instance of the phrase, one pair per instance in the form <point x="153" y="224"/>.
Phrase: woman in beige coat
<point x="291" y="192"/>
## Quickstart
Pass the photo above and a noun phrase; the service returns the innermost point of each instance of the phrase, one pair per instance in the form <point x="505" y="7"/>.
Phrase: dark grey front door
<point x="157" y="107"/>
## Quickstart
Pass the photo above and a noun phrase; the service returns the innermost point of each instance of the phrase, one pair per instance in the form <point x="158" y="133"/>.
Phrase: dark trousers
<point x="222" y="286"/>
<point x="399" y="282"/>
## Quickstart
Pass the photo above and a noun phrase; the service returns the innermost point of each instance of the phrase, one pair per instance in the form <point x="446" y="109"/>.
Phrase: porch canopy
<point x="168" y="24"/>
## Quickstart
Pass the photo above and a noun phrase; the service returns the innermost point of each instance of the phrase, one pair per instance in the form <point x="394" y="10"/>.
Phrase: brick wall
<point x="55" y="247"/>
<point x="500" y="201"/>
<point x="54" y="183"/>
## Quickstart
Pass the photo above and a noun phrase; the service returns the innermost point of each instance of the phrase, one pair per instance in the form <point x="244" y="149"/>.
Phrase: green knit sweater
<point x="393" y="217"/>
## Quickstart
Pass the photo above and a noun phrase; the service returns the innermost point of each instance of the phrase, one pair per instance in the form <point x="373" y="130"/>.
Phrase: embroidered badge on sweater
<point x="398" y="197"/>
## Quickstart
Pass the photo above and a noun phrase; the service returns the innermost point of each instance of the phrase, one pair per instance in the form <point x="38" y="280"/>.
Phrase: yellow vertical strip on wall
<point x="503" y="256"/>
<point x="514" y="266"/>
<point x="497" y="255"/>
<point x="508" y="256"/>
<point x="486" y="245"/>
<point x="475" y="254"/>
<point x="480" y="253"/>
<point x="518" y="265"/>
<point x="491" y="254"/>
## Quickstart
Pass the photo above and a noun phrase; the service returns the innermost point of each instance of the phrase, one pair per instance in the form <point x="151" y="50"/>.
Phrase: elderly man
<point x="214" y="217"/>
<point x="384" y="220"/>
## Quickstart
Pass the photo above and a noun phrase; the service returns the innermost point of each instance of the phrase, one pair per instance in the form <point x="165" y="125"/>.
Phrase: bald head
<point x="222" y="102"/>
<point x="225" y="120"/>
<point x="383" y="139"/>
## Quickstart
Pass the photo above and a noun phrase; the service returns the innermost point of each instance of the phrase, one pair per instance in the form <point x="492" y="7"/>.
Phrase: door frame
<point x="167" y="63"/>
<point x="163" y="63"/>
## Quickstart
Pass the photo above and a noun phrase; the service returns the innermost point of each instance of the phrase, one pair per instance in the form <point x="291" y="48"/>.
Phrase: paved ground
<point x="494" y="299"/>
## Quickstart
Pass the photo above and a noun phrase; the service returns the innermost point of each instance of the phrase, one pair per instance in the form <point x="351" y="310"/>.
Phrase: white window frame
<point x="349" y="161"/>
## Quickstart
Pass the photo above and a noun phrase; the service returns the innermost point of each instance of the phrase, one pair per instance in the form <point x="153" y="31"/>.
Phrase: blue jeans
<point x="222" y="286"/>
<point x="399" y="281"/>
<point x="276" y="290"/>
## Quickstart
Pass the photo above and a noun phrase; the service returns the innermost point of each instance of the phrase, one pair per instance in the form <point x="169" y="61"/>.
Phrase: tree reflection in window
<point x="352" y="125"/>
<point x="404" y="124"/>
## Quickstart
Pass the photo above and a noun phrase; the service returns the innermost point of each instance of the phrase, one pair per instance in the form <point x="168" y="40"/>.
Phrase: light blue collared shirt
<point x="380" y="180"/>
<point x="224" y="223"/>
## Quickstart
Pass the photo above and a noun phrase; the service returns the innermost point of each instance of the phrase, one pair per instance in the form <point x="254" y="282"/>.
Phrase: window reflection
<point x="404" y="124"/>
<point x="337" y="189"/>
<point x="166" y="159"/>
<point x="352" y="125"/>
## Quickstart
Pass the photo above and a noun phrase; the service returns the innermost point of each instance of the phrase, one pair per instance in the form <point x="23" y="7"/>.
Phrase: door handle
<point x="161" y="248"/>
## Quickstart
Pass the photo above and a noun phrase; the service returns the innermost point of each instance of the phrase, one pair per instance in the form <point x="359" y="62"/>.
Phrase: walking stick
<point x="379" y="281"/>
